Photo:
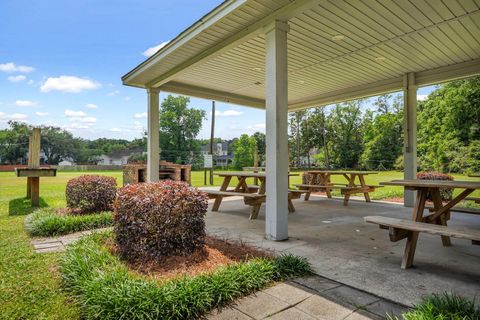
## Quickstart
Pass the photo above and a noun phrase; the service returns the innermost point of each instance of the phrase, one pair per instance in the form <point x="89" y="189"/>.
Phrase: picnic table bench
<point x="252" y="195"/>
<point x="435" y="222"/>
<point x="346" y="189"/>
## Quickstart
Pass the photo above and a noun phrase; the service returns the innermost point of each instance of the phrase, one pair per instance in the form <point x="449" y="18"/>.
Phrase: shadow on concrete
<point x="23" y="206"/>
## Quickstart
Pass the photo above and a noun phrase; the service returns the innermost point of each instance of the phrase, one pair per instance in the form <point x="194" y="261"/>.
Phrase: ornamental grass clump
<point x="445" y="193"/>
<point x="156" y="220"/>
<point x="90" y="194"/>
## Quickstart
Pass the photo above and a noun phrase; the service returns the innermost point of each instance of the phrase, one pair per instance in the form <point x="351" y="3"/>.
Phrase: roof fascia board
<point x="205" y="93"/>
<point x="424" y="78"/>
<point x="198" y="27"/>
<point x="284" y="13"/>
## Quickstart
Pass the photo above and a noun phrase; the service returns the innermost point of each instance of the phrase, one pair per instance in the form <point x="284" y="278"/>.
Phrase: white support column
<point x="276" y="102"/>
<point x="153" y="142"/>
<point x="410" y="134"/>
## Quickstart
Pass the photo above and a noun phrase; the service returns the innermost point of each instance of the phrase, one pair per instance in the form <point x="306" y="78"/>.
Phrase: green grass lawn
<point x="29" y="283"/>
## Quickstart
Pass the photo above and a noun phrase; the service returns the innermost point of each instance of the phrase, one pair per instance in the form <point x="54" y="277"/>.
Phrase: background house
<point x="119" y="157"/>
<point x="221" y="156"/>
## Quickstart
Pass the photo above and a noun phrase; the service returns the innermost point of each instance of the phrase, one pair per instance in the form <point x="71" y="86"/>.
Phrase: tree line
<point x="351" y="135"/>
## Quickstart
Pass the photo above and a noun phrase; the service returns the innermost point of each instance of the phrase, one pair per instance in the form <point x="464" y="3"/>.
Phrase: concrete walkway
<point x="57" y="244"/>
<point x="342" y="247"/>
<point x="308" y="299"/>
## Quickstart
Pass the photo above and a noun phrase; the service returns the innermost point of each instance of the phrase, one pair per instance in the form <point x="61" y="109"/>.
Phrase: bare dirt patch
<point x="216" y="253"/>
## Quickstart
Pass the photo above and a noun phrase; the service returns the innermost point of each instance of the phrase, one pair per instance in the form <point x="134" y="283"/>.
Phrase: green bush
<point x="443" y="307"/>
<point x="91" y="193"/>
<point x="46" y="222"/>
<point x="155" y="220"/>
<point x="104" y="288"/>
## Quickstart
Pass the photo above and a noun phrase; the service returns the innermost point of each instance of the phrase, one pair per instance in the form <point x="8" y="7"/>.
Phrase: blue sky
<point x="61" y="63"/>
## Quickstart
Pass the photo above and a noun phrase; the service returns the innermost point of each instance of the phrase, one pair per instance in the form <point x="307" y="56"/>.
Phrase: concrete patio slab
<point x="343" y="248"/>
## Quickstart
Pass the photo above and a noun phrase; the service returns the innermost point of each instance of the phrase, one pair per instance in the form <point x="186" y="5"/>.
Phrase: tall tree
<point x="179" y="126"/>
<point x="345" y="127"/>
<point x="243" y="150"/>
<point x="448" y="123"/>
<point x="14" y="143"/>
<point x="261" y="145"/>
<point x="383" y="133"/>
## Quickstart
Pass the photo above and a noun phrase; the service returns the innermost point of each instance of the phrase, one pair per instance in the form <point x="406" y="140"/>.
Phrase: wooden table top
<point x="248" y="174"/>
<point x="415" y="183"/>
<point x="341" y="172"/>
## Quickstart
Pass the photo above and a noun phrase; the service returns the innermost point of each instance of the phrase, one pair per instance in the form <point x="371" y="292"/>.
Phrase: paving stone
<point x="46" y="240"/>
<point x="260" y="305"/>
<point x="228" y="314"/>
<point x="317" y="283"/>
<point x="289" y="292"/>
<point x="51" y="249"/>
<point x="291" y="314"/>
<point x="324" y="309"/>
<point x="363" y="315"/>
<point x="384" y="307"/>
<point x="351" y="296"/>
<point x="47" y="245"/>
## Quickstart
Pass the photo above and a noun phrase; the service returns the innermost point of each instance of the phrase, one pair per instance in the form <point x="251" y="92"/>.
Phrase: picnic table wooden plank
<point x="440" y="212"/>
<point x="332" y="172"/>
<point x="415" y="183"/>
<point x="349" y="188"/>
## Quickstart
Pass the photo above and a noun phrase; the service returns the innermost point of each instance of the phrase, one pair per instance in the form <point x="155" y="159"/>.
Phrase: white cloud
<point x="75" y="126"/>
<point x="72" y="113"/>
<point x="12" y="67"/>
<point x="113" y="93"/>
<point x="116" y="130"/>
<point x="18" y="78"/>
<point x="41" y="114"/>
<point x="69" y="84"/>
<point x="13" y="116"/>
<point x="30" y="82"/>
<point x="228" y="113"/>
<point x="421" y="97"/>
<point x="141" y="115"/>
<point x="151" y="51"/>
<point x="91" y="106"/>
<point x="127" y="98"/>
<point x="25" y="103"/>
<point x="257" y="127"/>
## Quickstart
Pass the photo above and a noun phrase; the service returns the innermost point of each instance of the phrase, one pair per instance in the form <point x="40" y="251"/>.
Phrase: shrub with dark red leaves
<point x="445" y="193"/>
<point x="90" y="193"/>
<point x="156" y="220"/>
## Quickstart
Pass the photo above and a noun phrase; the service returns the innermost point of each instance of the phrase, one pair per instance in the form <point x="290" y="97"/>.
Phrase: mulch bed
<point x="216" y="253"/>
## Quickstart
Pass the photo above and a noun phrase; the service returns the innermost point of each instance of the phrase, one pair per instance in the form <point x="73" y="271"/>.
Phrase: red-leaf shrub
<point x="155" y="220"/>
<point x="445" y="193"/>
<point x="90" y="193"/>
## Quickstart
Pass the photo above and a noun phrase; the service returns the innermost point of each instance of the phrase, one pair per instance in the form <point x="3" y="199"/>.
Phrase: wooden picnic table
<point x="475" y="175"/>
<point x="253" y="195"/>
<point x="347" y="189"/>
<point x="435" y="222"/>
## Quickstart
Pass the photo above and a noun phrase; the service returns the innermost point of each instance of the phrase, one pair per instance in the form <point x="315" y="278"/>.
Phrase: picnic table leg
<point x="364" y="185"/>
<point x="254" y="211"/>
<point x="325" y="180"/>
<point x="351" y="183"/>
<point x="442" y="220"/>
<point x="309" y="190"/>
<point x="291" y="208"/>
<point x="218" y="198"/>
<point x="412" y="238"/>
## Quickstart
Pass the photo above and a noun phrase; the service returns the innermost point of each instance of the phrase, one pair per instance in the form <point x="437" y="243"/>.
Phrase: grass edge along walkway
<point x="29" y="282"/>
<point x="105" y="289"/>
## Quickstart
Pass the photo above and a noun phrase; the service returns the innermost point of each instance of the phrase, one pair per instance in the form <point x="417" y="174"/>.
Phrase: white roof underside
<point x="222" y="56"/>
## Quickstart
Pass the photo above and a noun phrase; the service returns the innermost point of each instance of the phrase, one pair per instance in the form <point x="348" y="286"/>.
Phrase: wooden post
<point x="212" y="138"/>
<point x="33" y="184"/>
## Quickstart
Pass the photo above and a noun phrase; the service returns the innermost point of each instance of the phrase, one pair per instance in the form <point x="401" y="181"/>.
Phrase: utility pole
<point x="212" y="137"/>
